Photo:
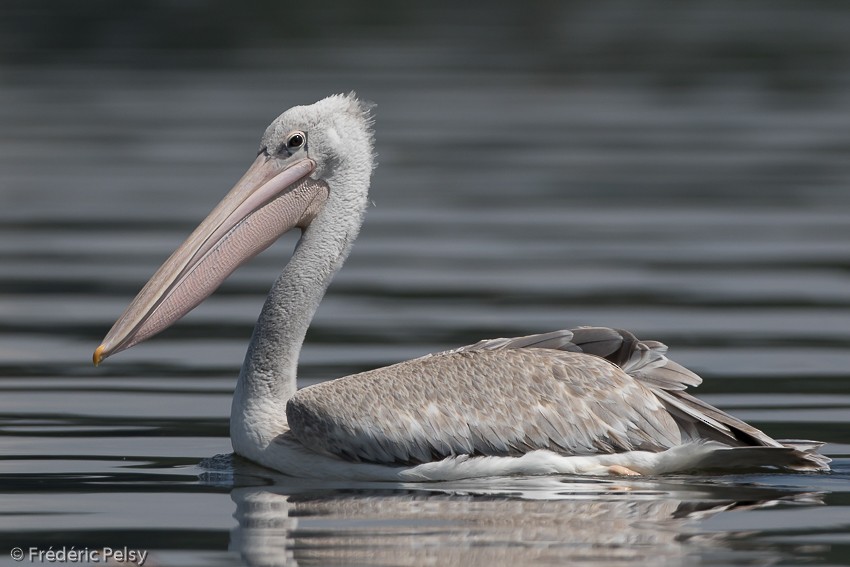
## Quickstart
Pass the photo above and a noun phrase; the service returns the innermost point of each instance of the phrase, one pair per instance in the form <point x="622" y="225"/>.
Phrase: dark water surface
<point x="682" y="173"/>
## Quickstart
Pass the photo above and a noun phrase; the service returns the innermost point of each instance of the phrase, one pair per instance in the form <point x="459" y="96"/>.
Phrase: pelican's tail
<point x="794" y="455"/>
<point x="808" y="451"/>
<point x="788" y="457"/>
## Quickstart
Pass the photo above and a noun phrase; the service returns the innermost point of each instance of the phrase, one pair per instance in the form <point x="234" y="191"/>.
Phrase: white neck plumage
<point x="268" y="376"/>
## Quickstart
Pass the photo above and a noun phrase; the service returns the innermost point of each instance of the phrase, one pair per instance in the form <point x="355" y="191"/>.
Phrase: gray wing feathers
<point x="644" y="360"/>
<point x="556" y="340"/>
<point x="482" y="402"/>
<point x="647" y="362"/>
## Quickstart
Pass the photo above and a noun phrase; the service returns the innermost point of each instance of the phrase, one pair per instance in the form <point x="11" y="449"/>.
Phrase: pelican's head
<point x="310" y="157"/>
<point x="335" y="133"/>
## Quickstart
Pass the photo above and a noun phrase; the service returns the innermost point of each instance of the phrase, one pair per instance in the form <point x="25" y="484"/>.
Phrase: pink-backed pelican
<point x="590" y="400"/>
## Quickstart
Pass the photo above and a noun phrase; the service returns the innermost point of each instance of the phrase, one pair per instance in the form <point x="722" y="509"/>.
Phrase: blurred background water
<point x="679" y="169"/>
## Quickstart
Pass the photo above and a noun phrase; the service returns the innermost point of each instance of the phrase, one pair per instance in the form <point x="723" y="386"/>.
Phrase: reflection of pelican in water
<point x="590" y="400"/>
<point x="565" y="523"/>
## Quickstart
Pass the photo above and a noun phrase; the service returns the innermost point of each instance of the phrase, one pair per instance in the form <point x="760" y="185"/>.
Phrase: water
<point x="685" y="178"/>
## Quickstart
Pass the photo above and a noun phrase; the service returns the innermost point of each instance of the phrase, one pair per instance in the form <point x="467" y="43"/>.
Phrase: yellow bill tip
<point x="97" y="357"/>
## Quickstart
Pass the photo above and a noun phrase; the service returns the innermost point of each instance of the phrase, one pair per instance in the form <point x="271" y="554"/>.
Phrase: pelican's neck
<point x="268" y="376"/>
<point x="272" y="358"/>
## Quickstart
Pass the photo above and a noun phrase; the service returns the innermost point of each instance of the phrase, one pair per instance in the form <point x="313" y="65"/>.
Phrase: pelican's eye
<point x="295" y="142"/>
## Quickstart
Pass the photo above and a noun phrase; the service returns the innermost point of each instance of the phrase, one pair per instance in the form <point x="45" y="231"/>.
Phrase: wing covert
<point x="482" y="401"/>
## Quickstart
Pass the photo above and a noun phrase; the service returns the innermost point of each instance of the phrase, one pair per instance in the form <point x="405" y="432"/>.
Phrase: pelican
<point x="590" y="400"/>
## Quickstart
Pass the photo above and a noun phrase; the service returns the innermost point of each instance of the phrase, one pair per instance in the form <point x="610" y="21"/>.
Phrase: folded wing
<point x="583" y="391"/>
